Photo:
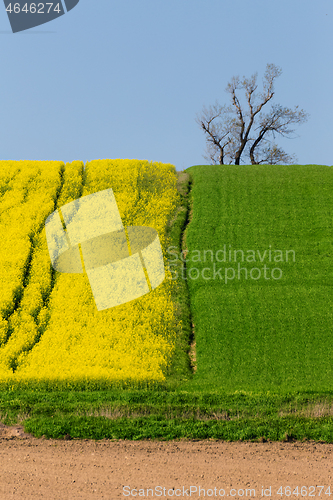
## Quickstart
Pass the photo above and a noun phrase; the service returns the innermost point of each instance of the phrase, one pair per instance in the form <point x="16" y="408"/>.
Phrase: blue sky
<point x="126" y="79"/>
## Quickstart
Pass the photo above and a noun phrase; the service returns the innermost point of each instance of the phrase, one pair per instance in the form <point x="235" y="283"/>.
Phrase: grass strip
<point x="159" y="428"/>
<point x="20" y="405"/>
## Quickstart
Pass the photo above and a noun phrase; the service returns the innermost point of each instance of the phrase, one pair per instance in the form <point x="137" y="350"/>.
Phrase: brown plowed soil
<point x="33" y="468"/>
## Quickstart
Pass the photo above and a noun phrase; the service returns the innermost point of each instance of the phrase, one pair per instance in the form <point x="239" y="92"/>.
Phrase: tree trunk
<point x="254" y="145"/>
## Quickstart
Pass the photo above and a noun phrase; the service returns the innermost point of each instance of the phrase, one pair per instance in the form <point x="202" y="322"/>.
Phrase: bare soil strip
<point x="33" y="468"/>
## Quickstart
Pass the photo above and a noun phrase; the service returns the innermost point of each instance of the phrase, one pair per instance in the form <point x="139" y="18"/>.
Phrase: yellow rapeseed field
<point x="50" y="328"/>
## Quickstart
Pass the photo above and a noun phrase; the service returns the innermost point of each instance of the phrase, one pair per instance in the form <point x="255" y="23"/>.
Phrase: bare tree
<point x="243" y="129"/>
<point x="219" y="139"/>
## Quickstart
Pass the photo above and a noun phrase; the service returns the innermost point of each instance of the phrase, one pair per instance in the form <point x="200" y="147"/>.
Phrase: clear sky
<point x="126" y="78"/>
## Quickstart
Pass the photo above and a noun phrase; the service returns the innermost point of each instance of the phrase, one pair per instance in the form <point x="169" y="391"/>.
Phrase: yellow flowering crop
<point x="28" y="193"/>
<point x="29" y="190"/>
<point x="52" y="329"/>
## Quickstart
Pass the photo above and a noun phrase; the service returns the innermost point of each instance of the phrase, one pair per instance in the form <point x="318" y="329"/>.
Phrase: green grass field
<point x="257" y="330"/>
<point x="263" y="362"/>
